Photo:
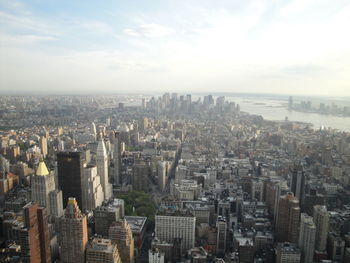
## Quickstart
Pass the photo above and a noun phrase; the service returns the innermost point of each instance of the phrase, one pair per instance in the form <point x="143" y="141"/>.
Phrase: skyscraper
<point x="221" y="227"/>
<point x="102" y="168"/>
<point x="287" y="221"/>
<point x="73" y="235"/>
<point x="298" y="182"/>
<point x="56" y="203"/>
<point x="117" y="161"/>
<point x="120" y="233"/>
<point x="70" y="176"/>
<point x="92" y="189"/>
<point x="321" y="220"/>
<point x="34" y="237"/>
<point x="161" y="172"/>
<point x="42" y="183"/>
<point x="43" y="146"/>
<point x="307" y="236"/>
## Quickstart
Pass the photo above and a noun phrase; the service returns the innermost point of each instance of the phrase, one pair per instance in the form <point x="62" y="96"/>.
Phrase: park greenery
<point x="138" y="203"/>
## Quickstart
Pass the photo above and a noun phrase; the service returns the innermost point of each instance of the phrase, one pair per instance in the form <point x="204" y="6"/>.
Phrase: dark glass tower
<point x="70" y="176"/>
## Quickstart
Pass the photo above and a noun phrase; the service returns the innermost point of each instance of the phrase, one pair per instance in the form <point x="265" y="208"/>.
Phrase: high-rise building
<point x="161" y="172"/>
<point x="179" y="224"/>
<point x="117" y="160"/>
<point x="298" y="182"/>
<point x="307" y="236"/>
<point x="143" y="124"/>
<point x="120" y="233"/>
<point x="73" y="235"/>
<point x="92" y="189"/>
<point x="43" y="146"/>
<point x="140" y="177"/>
<point x="287" y="253"/>
<point x="102" y="168"/>
<point x="109" y="212"/>
<point x="70" y="176"/>
<point x="56" y="203"/>
<point x="34" y="237"/>
<point x="321" y="220"/>
<point x="42" y="183"/>
<point x="287" y="222"/>
<point x="93" y="129"/>
<point x="221" y="227"/>
<point x="102" y="250"/>
<point x="335" y="247"/>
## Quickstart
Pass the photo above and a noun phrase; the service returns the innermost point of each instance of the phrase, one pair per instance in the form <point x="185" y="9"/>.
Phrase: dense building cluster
<point x="225" y="186"/>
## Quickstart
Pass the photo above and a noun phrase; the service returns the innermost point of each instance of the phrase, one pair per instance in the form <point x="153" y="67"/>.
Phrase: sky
<point x="291" y="47"/>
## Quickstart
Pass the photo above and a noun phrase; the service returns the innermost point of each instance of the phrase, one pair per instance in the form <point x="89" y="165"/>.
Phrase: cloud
<point x="297" y="6"/>
<point x="149" y="30"/>
<point x="26" y="22"/>
<point x="96" y="27"/>
<point x="24" y="39"/>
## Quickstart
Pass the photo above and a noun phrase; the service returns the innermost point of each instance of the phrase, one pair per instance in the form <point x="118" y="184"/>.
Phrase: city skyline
<point x="286" y="47"/>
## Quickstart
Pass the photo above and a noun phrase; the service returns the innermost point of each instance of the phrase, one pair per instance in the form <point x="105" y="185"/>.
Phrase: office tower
<point x="117" y="159"/>
<point x="102" y="168"/>
<point x="93" y="129"/>
<point x="307" y="236"/>
<point x="274" y="189"/>
<point x="161" y="172"/>
<point x="221" y="227"/>
<point x="139" y="177"/>
<point x="92" y="189"/>
<point x="73" y="235"/>
<point x="42" y="183"/>
<point x="120" y="233"/>
<point x="181" y="224"/>
<point x="109" y="212"/>
<point x="102" y="250"/>
<point x="287" y="253"/>
<point x="43" y="146"/>
<point x="287" y="222"/>
<point x="143" y="124"/>
<point x="34" y="237"/>
<point x="70" y="176"/>
<point x="335" y="247"/>
<point x="56" y="203"/>
<point x="156" y="256"/>
<point x="298" y="182"/>
<point x="321" y="220"/>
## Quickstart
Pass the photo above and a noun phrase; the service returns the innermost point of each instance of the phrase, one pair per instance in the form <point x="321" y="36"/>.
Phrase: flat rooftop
<point x="136" y="223"/>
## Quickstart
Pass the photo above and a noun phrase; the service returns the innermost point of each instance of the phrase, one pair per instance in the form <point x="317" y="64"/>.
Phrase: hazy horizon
<point x="294" y="47"/>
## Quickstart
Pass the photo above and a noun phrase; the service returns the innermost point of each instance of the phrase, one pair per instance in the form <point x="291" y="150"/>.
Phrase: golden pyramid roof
<point x="42" y="169"/>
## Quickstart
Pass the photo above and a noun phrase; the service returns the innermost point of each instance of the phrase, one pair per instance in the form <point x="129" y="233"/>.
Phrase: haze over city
<point x="297" y="47"/>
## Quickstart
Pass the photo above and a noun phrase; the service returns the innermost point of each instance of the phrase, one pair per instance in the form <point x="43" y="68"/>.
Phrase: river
<point x="275" y="109"/>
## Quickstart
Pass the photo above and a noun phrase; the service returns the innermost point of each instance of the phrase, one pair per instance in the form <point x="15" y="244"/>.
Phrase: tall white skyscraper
<point x="321" y="219"/>
<point x="93" y="129"/>
<point x="307" y="237"/>
<point x="92" y="189"/>
<point x="102" y="168"/>
<point x="42" y="183"/>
